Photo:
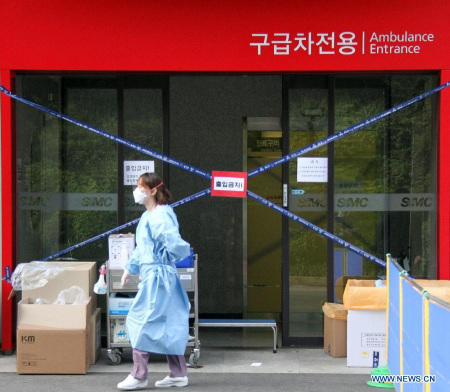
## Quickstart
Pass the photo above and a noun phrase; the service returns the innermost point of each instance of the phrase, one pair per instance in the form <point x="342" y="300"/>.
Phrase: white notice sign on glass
<point x="312" y="169"/>
<point x="133" y="169"/>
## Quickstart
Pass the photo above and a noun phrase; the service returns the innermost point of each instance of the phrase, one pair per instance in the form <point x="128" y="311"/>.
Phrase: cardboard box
<point x="364" y="295"/>
<point x="55" y="316"/>
<point x="120" y="248"/>
<point x="366" y="338"/>
<point x="438" y="288"/>
<point x="119" y="306"/>
<point x="335" y="330"/>
<point x="44" y="350"/>
<point x="94" y="337"/>
<point x="341" y="282"/>
<point x="83" y="274"/>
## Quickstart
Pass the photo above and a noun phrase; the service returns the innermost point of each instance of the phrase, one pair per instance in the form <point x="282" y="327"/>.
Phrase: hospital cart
<point x="119" y="299"/>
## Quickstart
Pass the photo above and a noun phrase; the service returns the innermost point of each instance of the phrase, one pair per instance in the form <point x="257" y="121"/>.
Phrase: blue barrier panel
<point x="439" y="346"/>
<point x="412" y="335"/>
<point x="394" y="320"/>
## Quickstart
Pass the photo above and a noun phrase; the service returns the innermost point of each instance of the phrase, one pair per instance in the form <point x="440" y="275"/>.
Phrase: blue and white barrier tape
<point x="315" y="228"/>
<point x="124" y="226"/>
<point x="110" y="136"/>
<point x="7" y="276"/>
<point x="345" y="132"/>
<point x="191" y="198"/>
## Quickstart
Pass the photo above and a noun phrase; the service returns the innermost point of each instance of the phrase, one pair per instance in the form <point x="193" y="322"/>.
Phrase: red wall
<point x="443" y="237"/>
<point x="199" y="35"/>
<point x="210" y="36"/>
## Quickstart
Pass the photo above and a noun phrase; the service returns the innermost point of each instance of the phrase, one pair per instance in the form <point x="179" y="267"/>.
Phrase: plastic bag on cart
<point x="72" y="296"/>
<point x="29" y="276"/>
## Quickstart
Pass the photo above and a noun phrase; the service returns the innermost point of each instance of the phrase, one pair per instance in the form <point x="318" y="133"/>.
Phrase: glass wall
<point x="381" y="181"/>
<point x="70" y="179"/>
<point x="385" y="176"/>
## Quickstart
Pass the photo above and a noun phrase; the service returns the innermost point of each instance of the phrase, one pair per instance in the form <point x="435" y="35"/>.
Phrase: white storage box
<point x="366" y="338"/>
<point x="120" y="247"/>
<point x="119" y="305"/>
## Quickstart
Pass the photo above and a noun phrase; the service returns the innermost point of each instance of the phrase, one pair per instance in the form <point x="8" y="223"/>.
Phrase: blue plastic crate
<point x="188" y="262"/>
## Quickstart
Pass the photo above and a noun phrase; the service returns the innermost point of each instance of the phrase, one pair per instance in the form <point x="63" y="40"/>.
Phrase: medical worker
<point x="158" y="321"/>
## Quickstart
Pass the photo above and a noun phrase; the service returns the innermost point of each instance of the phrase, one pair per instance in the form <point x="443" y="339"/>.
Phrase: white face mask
<point x="139" y="196"/>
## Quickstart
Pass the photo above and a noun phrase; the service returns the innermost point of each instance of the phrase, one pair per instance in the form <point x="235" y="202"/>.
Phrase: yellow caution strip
<point x="426" y="334"/>
<point x="400" y="288"/>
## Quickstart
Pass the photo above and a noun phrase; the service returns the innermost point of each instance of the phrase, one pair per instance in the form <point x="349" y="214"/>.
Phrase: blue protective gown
<point x="158" y="321"/>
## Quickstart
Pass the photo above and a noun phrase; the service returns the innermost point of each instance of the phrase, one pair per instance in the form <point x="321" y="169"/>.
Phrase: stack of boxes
<point x="59" y="339"/>
<point x="366" y="323"/>
<point x="357" y="328"/>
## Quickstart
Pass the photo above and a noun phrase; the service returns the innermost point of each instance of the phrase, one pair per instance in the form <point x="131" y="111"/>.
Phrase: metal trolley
<point x="116" y="311"/>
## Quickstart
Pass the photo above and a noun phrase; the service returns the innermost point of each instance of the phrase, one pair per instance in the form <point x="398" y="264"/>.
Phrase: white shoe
<point x="131" y="383"/>
<point x="172" y="382"/>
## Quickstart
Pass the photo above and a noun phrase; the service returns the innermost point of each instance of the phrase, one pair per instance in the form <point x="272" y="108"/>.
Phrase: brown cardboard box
<point x="437" y="288"/>
<point x="335" y="330"/>
<point x="94" y="337"/>
<point x="44" y="350"/>
<point x="79" y="273"/>
<point x="55" y="316"/>
<point x="341" y="282"/>
<point x="364" y="295"/>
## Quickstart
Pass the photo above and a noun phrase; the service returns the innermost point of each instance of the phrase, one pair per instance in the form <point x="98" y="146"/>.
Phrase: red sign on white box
<point x="229" y="184"/>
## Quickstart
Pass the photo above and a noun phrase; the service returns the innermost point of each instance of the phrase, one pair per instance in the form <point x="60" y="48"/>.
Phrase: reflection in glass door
<point x="262" y="226"/>
<point x="70" y="182"/>
<point x="375" y="188"/>
<point x="307" y="273"/>
<point x="385" y="192"/>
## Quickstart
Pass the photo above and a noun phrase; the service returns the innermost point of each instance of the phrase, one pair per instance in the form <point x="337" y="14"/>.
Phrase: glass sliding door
<point x="375" y="188"/>
<point x="307" y="279"/>
<point x="262" y="226"/>
<point x="385" y="177"/>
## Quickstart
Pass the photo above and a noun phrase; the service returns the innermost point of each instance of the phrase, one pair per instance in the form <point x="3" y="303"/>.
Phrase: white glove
<point x="125" y="277"/>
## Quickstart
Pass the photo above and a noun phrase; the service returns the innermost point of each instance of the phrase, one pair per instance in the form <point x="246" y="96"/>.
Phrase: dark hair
<point x="152" y="180"/>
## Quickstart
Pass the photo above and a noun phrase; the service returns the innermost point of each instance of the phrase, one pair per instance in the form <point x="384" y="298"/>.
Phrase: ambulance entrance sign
<point x="229" y="184"/>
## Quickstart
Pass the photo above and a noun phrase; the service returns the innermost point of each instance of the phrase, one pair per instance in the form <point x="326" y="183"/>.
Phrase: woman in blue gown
<point x="158" y="321"/>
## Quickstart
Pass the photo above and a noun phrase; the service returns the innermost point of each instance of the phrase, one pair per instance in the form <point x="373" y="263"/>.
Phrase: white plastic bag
<point x="72" y="296"/>
<point x="29" y="276"/>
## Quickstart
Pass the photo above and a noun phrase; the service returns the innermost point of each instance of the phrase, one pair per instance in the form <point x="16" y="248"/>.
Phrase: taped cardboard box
<point x="363" y="295"/>
<point x="335" y="330"/>
<point x="94" y="337"/>
<point x="80" y="273"/>
<point x="55" y="316"/>
<point x="45" y="350"/>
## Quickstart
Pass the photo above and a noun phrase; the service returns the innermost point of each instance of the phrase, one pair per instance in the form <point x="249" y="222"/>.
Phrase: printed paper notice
<point x="312" y="169"/>
<point x="133" y="169"/>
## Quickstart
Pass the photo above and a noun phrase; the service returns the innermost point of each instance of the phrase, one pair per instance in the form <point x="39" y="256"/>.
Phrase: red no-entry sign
<point x="229" y="184"/>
